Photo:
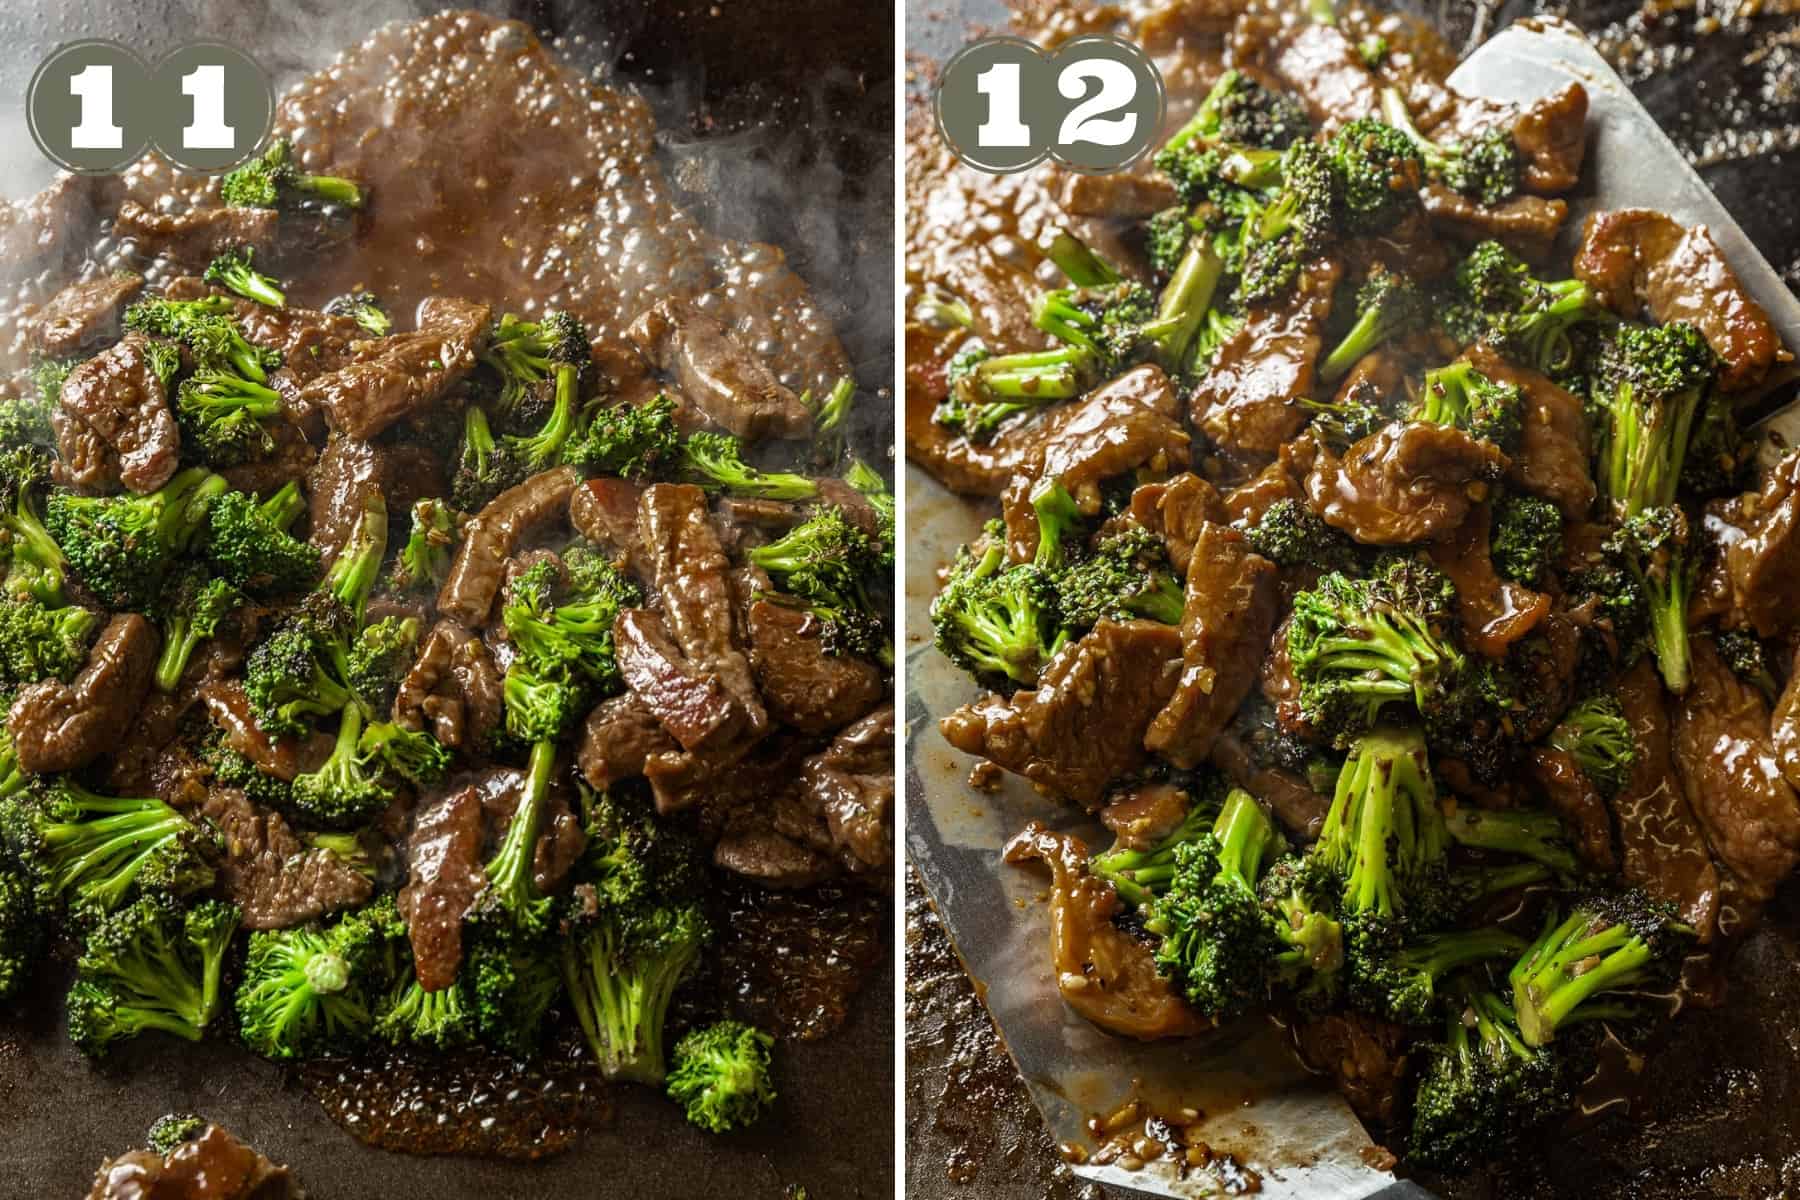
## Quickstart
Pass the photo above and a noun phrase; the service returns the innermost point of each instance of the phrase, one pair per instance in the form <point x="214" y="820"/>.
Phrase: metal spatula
<point x="1294" y="1130"/>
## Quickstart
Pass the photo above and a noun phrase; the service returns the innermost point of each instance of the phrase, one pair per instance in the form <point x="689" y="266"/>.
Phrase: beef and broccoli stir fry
<point x="432" y="562"/>
<point x="1400" y="594"/>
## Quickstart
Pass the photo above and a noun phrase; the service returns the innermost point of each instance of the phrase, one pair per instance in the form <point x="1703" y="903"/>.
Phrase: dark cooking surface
<point x="1722" y="1110"/>
<point x="771" y="128"/>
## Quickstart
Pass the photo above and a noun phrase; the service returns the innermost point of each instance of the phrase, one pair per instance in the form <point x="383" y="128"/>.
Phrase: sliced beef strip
<point x="444" y="878"/>
<point x="213" y="1166"/>
<point x="1106" y="974"/>
<point x="1365" y="1056"/>
<point x="119" y="398"/>
<point x="283" y="757"/>
<point x="404" y="374"/>
<point x="1661" y="846"/>
<point x="493" y="535"/>
<point x="60" y="726"/>
<point x="1784" y="727"/>
<point x="292" y="458"/>
<point x="195" y="237"/>
<point x="349" y="470"/>
<point x="272" y="875"/>
<point x="1300" y="809"/>
<point x="1177" y="511"/>
<point x="765" y="855"/>
<point x="1246" y="503"/>
<point x="1133" y="194"/>
<point x="1404" y="483"/>
<point x="453" y="689"/>
<point x="1571" y="795"/>
<point x="691" y="570"/>
<point x="1763" y="560"/>
<point x="1550" y="134"/>
<point x="1144" y="815"/>
<point x="84" y="460"/>
<point x="51" y="233"/>
<point x="1225" y="625"/>
<point x="1526" y="225"/>
<point x="692" y="703"/>
<point x="1085" y="722"/>
<point x="1132" y="422"/>
<point x="1321" y="65"/>
<point x="1552" y="458"/>
<point x="82" y="314"/>
<point x="1643" y="262"/>
<point x="605" y="512"/>
<point x="1720" y="736"/>
<point x="1247" y="402"/>
<point x="735" y="390"/>
<point x="803" y="687"/>
<point x="1494" y="612"/>
<point x="618" y="737"/>
<point x="850" y="789"/>
<point x="311" y="343"/>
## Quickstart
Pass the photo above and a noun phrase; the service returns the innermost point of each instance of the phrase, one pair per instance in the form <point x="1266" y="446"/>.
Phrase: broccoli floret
<point x="1719" y="457"/>
<point x="35" y="564"/>
<point x="1653" y="545"/>
<point x="1166" y="237"/>
<point x="1527" y="538"/>
<point x="351" y="787"/>
<point x="1743" y="652"/>
<point x="379" y="659"/>
<point x="440" y="1020"/>
<point x="543" y="448"/>
<point x="1216" y="938"/>
<point x="205" y="326"/>
<point x="716" y="460"/>
<point x="1378" y="171"/>
<point x="1387" y="305"/>
<point x="541" y="706"/>
<point x="1342" y="423"/>
<point x="37" y="642"/>
<point x="1128" y="575"/>
<point x="357" y="567"/>
<point x="1140" y="876"/>
<point x="484" y="467"/>
<point x="1482" y="1088"/>
<point x="1485" y="167"/>
<point x="570" y="633"/>
<point x="633" y="441"/>
<point x="527" y="353"/>
<point x="425" y="559"/>
<point x="191" y="608"/>
<point x="866" y="480"/>
<point x="1290" y="534"/>
<point x="22" y="926"/>
<point x="620" y="967"/>
<point x="1241" y="112"/>
<point x="1373" y="50"/>
<point x="302" y="992"/>
<point x="150" y="966"/>
<point x="271" y="180"/>
<point x="1597" y="736"/>
<point x="94" y="852"/>
<point x="995" y="620"/>
<point x="1527" y="833"/>
<point x="1647" y="389"/>
<point x="172" y="1129"/>
<point x="1384" y="835"/>
<point x="25" y="418"/>
<point x="1400" y="983"/>
<point x="720" y="1076"/>
<point x="513" y="981"/>
<point x="249" y="544"/>
<point x="1289" y="226"/>
<point x="1111" y="326"/>
<point x="1495" y="299"/>
<point x="122" y="546"/>
<point x="1358" y="645"/>
<point x="234" y="271"/>
<point x="297" y="675"/>
<point x="1458" y="395"/>
<point x="1300" y="895"/>
<point x="222" y="414"/>
<point x="231" y="769"/>
<point x="511" y="901"/>
<point x="829" y="559"/>
<point x="363" y="308"/>
<point x="1606" y="944"/>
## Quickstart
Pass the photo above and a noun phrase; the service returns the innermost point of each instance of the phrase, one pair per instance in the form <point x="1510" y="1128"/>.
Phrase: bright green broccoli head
<point x="94" y="852"/>
<point x="302" y="993"/>
<point x="716" y="461"/>
<point x="194" y="606"/>
<point x="150" y="966"/>
<point x="1387" y="306"/>
<point x="271" y="180"/>
<point x="1460" y="396"/>
<point x="249" y="544"/>
<point x="632" y="441"/>
<point x="1127" y="575"/>
<point x="1378" y="169"/>
<point x="1527" y="538"/>
<point x="235" y="271"/>
<point x="1384" y="835"/>
<point x="994" y="620"/>
<point x="122" y="547"/>
<point x="1597" y="736"/>
<point x="1607" y="944"/>
<point x="172" y="1129"/>
<point x="720" y="1075"/>
<point x="363" y="308"/>
<point x="1290" y="534"/>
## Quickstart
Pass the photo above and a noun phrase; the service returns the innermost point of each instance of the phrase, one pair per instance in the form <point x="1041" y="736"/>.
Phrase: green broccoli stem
<point x="1185" y="300"/>
<point x="1533" y="835"/>
<point x="543" y="448"/>
<point x="180" y="639"/>
<point x="1076" y="260"/>
<point x="1370" y="330"/>
<point x="357" y="567"/>
<point x="1057" y="518"/>
<point x="112" y="848"/>
<point x="1245" y="838"/>
<point x="1439" y="955"/>
<point x="1668" y="604"/>
<point x="1544" y="334"/>
<point x="510" y="871"/>
<point x="239" y="277"/>
<point x="1393" y="112"/>
<point x="836" y="406"/>
<point x="330" y="188"/>
<point x="1321" y="12"/>
<point x="1644" y="452"/>
<point x="285" y="506"/>
<point x="1545" y="988"/>
<point x="1036" y="376"/>
<point x="185" y="501"/>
